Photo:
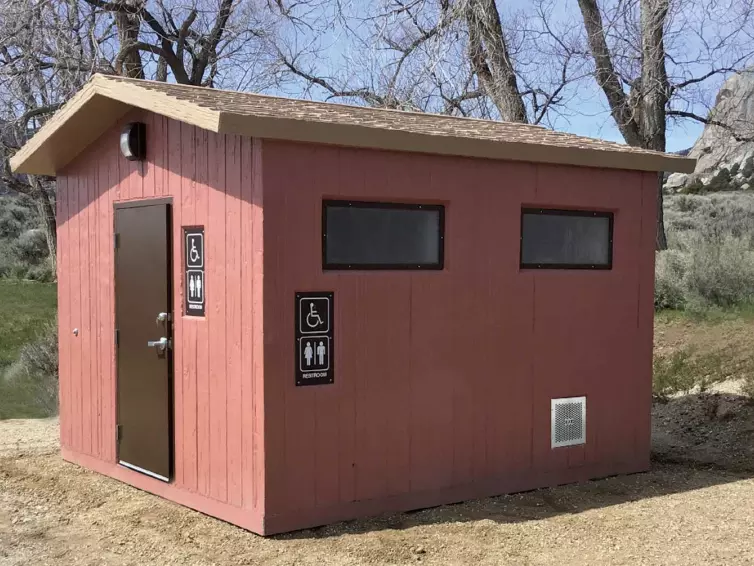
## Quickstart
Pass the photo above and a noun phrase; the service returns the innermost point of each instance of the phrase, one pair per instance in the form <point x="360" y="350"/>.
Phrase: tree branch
<point x="209" y="46"/>
<point x="711" y="122"/>
<point x="24" y="119"/>
<point x="700" y="79"/>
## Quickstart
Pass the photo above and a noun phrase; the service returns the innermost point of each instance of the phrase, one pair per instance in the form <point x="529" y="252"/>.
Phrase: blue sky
<point x="587" y="111"/>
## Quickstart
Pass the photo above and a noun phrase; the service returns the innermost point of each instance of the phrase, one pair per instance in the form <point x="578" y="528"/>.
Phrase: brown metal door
<point x="143" y="333"/>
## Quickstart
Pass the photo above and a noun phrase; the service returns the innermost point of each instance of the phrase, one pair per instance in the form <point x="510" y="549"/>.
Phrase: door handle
<point x="163" y="317"/>
<point x="162" y="344"/>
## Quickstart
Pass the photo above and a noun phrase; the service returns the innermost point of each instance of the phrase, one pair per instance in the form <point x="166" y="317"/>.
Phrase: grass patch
<point x="25" y="310"/>
<point x="714" y="315"/>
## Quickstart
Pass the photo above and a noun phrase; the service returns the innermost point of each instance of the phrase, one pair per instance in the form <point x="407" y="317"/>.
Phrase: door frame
<point x="141" y="203"/>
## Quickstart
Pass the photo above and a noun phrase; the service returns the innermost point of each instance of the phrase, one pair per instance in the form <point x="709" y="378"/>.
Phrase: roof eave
<point x="72" y="129"/>
<point x="350" y="135"/>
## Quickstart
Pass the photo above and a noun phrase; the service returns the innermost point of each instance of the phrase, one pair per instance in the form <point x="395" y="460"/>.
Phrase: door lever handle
<point x="162" y="344"/>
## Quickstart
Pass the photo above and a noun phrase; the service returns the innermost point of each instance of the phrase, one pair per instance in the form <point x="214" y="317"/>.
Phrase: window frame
<point x="437" y="266"/>
<point x="568" y="212"/>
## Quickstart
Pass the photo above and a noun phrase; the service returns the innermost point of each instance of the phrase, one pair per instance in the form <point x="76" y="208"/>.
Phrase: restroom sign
<point x="314" y="338"/>
<point x="195" y="288"/>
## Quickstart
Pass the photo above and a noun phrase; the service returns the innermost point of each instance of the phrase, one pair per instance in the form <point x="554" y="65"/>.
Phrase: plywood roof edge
<point x="158" y="102"/>
<point x="126" y="93"/>
<point x="68" y="110"/>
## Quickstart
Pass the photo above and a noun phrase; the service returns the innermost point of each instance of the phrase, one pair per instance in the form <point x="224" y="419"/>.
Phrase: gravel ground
<point x="52" y="512"/>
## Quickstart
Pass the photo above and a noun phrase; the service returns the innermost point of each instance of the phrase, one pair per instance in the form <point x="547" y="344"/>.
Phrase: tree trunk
<point x="655" y="92"/>
<point x="46" y="209"/>
<point x="661" y="241"/>
<point x="641" y="118"/>
<point x="605" y="74"/>
<point x="491" y="60"/>
<point x="129" y="25"/>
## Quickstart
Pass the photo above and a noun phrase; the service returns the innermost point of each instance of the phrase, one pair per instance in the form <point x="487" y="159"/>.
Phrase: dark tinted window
<point x="364" y="235"/>
<point x="566" y="239"/>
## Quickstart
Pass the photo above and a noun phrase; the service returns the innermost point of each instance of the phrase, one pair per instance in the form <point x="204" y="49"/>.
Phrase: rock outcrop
<point x="725" y="154"/>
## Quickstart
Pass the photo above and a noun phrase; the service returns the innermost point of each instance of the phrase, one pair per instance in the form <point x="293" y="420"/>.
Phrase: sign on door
<point x="195" y="289"/>
<point x="314" y="338"/>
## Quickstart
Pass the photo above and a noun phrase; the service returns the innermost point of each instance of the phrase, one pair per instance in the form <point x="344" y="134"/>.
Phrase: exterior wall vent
<point x="568" y="421"/>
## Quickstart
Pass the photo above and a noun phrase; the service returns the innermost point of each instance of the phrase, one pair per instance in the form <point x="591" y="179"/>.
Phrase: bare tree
<point x="49" y="49"/>
<point x="191" y="42"/>
<point x="459" y="57"/>
<point x="656" y="60"/>
<point x="47" y="52"/>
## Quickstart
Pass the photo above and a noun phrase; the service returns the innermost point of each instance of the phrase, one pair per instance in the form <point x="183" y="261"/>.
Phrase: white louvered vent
<point x="568" y="418"/>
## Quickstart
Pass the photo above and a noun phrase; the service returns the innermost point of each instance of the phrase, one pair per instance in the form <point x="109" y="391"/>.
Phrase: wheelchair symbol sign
<point x="195" y="250"/>
<point x="314" y="315"/>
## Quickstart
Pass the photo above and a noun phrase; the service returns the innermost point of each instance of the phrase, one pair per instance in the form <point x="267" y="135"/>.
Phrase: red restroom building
<point x="286" y="313"/>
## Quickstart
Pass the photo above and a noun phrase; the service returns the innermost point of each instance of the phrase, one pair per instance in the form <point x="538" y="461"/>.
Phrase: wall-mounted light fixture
<point x="133" y="141"/>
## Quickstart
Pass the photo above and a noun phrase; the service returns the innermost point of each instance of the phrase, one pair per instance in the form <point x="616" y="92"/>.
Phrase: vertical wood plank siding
<point x="217" y="376"/>
<point x="443" y="379"/>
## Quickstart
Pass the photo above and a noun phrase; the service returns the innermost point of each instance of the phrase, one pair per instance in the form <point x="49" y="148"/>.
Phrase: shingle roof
<point x="321" y="122"/>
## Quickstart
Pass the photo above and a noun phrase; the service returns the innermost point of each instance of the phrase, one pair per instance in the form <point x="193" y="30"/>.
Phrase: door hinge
<point x="118" y="433"/>
<point x="117" y="338"/>
<point x="116" y="241"/>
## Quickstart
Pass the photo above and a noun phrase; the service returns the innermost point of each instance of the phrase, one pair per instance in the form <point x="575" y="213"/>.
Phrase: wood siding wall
<point x="214" y="181"/>
<point x="443" y="380"/>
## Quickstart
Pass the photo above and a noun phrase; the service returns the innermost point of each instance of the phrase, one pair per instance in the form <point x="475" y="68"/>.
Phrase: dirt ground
<point x="717" y="428"/>
<point x="52" y="512"/>
<point x="693" y="507"/>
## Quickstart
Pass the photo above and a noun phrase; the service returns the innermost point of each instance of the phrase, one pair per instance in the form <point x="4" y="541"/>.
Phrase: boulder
<point x="724" y="152"/>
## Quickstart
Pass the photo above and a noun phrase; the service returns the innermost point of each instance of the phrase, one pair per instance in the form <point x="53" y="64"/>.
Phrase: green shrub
<point x="670" y="272"/>
<point x="17" y="215"/>
<point x="720" y="273"/>
<point x="18" y="270"/>
<point x="33" y="380"/>
<point x="685" y="203"/>
<point x="685" y="225"/>
<point x="5" y="260"/>
<point x="720" y="181"/>
<point x="23" y="244"/>
<point x="710" y="260"/>
<point x="748" y="168"/>
<point x="672" y="375"/>
<point x="30" y="247"/>
<point x="682" y="372"/>
<point x="43" y="273"/>
<point x="695" y="187"/>
<point x="748" y="387"/>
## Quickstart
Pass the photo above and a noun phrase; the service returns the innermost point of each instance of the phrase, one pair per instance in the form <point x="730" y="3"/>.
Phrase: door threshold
<point x="143" y="471"/>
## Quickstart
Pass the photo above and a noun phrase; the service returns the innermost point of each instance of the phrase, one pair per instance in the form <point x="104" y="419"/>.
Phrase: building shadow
<point x="673" y="471"/>
<point x="664" y="478"/>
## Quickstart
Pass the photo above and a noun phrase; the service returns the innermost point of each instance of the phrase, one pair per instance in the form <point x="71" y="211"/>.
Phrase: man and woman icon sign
<point x="309" y="352"/>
